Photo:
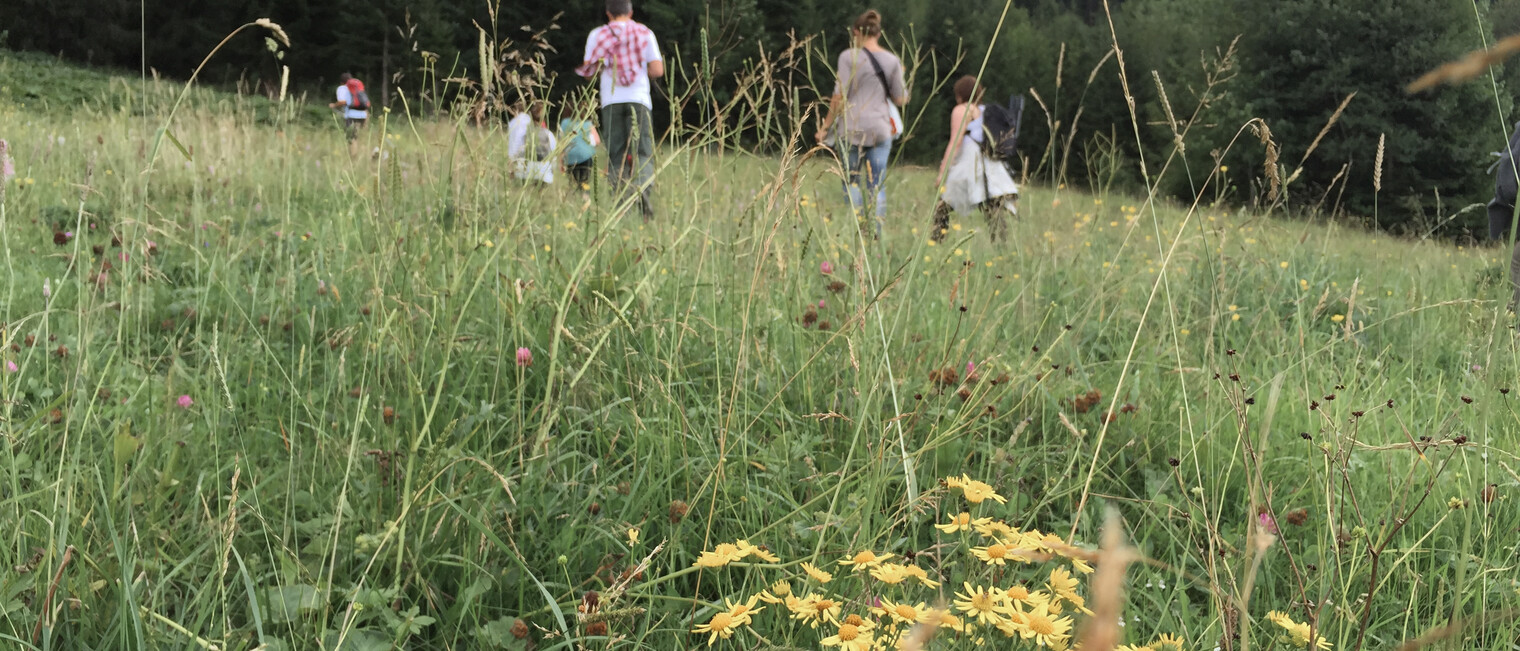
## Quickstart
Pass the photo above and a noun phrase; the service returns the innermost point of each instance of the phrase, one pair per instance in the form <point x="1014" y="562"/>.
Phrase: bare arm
<point x="957" y="117"/>
<point x="656" y="69"/>
<point x="596" y="138"/>
<point x="828" y="119"/>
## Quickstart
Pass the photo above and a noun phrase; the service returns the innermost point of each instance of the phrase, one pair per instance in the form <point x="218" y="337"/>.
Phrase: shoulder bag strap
<point x="881" y="76"/>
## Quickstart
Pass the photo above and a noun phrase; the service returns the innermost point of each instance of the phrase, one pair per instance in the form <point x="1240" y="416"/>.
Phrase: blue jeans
<point x="872" y="163"/>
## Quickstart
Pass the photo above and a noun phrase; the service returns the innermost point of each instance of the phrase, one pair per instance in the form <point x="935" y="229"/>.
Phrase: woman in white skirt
<point x="969" y="179"/>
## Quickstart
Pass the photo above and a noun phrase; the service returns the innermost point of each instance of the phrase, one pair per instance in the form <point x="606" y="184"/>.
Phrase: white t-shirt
<point x="638" y="91"/>
<point x="350" y="113"/>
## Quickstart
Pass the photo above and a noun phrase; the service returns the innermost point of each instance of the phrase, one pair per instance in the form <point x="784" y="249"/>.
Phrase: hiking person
<point x="581" y="142"/>
<point x="969" y="177"/>
<point x="862" y="119"/>
<point x="354" y="103"/>
<point x="530" y="145"/>
<point x="626" y="56"/>
<point x="1501" y="210"/>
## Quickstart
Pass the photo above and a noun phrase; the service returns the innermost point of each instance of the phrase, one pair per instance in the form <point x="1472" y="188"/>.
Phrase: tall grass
<point x="1284" y="416"/>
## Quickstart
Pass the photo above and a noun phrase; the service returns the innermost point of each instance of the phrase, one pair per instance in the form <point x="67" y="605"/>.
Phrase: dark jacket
<point x="1501" y="211"/>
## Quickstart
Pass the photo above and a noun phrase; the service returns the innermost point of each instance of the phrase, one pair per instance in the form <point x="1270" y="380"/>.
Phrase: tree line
<point x="1217" y="84"/>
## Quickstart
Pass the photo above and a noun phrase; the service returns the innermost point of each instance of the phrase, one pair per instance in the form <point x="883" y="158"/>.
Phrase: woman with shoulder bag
<point x="863" y="118"/>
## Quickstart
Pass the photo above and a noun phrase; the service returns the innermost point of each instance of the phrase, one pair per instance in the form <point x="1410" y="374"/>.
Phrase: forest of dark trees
<point x="1214" y="69"/>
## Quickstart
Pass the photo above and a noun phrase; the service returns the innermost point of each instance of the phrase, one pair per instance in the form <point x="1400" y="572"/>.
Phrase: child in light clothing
<point x="581" y="141"/>
<point x="530" y="145"/>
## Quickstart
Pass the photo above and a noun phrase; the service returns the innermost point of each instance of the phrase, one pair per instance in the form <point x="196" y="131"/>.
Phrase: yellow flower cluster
<point x="726" y="553"/>
<point x="1037" y="611"/>
<point x="1163" y="641"/>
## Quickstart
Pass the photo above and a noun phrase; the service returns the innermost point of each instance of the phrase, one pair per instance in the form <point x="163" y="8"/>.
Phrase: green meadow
<point x="264" y="390"/>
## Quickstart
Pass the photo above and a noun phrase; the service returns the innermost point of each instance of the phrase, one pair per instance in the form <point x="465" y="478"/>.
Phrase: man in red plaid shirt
<point x="625" y="54"/>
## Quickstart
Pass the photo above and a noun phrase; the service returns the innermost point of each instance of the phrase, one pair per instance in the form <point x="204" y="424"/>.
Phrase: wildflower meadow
<point x="266" y="390"/>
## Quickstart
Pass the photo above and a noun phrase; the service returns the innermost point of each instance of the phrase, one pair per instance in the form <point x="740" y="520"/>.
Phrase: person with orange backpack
<point x="354" y="103"/>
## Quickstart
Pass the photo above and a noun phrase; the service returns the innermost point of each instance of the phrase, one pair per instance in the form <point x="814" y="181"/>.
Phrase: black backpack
<point x="1001" y="123"/>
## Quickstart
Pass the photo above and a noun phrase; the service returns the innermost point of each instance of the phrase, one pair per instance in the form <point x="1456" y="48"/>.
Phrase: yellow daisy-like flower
<point x="995" y="529"/>
<point x="721" y="625"/>
<point x="1338" y="318"/>
<point x="1167" y="640"/>
<point x="977" y="492"/>
<point x="1019" y="596"/>
<point x="1049" y="542"/>
<point x="1061" y="582"/>
<point x="922" y="576"/>
<point x="777" y="593"/>
<point x="855" y="636"/>
<point x="746" y="549"/>
<point x="1017" y="624"/>
<point x="1077" y="602"/>
<point x="1126" y="647"/>
<point x="890" y="573"/>
<point x="994" y="554"/>
<point x="901" y="613"/>
<point x="1046" y="629"/>
<point x="815" y="609"/>
<point x="712" y="559"/>
<point x="980" y="603"/>
<point x="1081" y="566"/>
<point x="1298" y="634"/>
<point x="742" y="610"/>
<point x="864" y="559"/>
<point x="730" y="550"/>
<point x="955" y="482"/>
<point x="765" y="555"/>
<point x="817" y="574"/>
<point x="960" y="522"/>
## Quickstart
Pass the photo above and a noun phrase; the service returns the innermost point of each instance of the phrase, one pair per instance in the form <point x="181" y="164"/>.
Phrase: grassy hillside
<point x="274" y="394"/>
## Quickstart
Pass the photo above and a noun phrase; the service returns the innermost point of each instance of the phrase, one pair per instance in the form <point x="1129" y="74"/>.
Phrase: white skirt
<point x="974" y="178"/>
<point x="533" y="170"/>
